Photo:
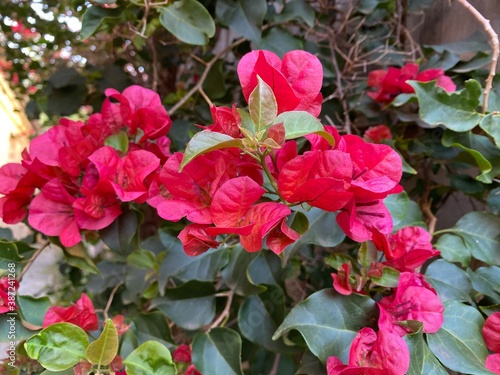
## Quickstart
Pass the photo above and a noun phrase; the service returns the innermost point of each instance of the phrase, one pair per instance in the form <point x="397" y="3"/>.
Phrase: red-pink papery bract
<point x="96" y="211"/>
<point x="377" y="134"/>
<point x="226" y="121"/>
<point x="341" y="281"/>
<point x="82" y="314"/>
<point x="319" y="178"/>
<point x="10" y="175"/>
<point x="319" y="143"/>
<point x="280" y="236"/>
<point x="491" y="332"/>
<point x="46" y="146"/>
<point x="493" y="363"/>
<point x="373" y="353"/>
<point x="360" y="219"/>
<point x="296" y="80"/>
<point x="195" y="240"/>
<point x="6" y="286"/>
<point x="282" y="155"/>
<point x="51" y="212"/>
<point x="182" y="354"/>
<point x="413" y="299"/>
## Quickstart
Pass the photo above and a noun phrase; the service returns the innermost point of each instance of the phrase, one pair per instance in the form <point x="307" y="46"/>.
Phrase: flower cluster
<point x="391" y="82"/>
<point x="81" y="178"/>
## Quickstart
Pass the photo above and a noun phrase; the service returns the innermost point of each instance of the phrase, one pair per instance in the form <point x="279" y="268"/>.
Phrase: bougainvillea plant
<point x="258" y="237"/>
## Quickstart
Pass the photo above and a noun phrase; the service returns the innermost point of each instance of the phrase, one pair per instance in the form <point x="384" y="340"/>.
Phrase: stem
<point x="203" y="77"/>
<point x="438" y="232"/>
<point x="225" y="313"/>
<point x="494" y="45"/>
<point x="110" y="299"/>
<point x="270" y="177"/>
<point x="31" y="260"/>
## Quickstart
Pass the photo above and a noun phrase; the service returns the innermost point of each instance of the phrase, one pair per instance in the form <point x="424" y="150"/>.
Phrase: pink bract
<point x="491" y="332"/>
<point x="82" y="314"/>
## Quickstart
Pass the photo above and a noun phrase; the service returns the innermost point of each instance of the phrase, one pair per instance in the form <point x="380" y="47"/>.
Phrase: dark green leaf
<point x="218" y="352"/>
<point x="476" y="234"/>
<point x="78" y="256"/>
<point x="491" y="125"/>
<point x="459" y="344"/>
<point x="260" y="315"/>
<point x="93" y="17"/>
<point x="7" y="325"/>
<point x="236" y="274"/>
<point x="119" y="236"/>
<point x="189" y="21"/>
<point x="280" y="42"/>
<point x="422" y="361"/>
<point x="206" y="141"/>
<point x="450" y="281"/>
<point x="266" y="269"/>
<point x="153" y="326"/>
<point x="297" y="9"/>
<point x="58" y="347"/>
<point x="485" y="281"/>
<point x="214" y="85"/>
<point x="326" y="336"/>
<point x="33" y="309"/>
<point x="8" y="254"/>
<point x="151" y="358"/>
<point x="493" y="201"/>
<point x="243" y="17"/>
<point x="103" y="350"/>
<point x="310" y="364"/>
<point x="190" y="306"/>
<point x="457" y="111"/>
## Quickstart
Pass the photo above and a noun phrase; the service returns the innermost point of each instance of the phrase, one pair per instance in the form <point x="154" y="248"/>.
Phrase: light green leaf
<point x="388" y="279"/>
<point x="189" y="21"/>
<point x="280" y="41"/>
<point x="247" y="122"/>
<point x="326" y="336"/>
<point x="476" y="234"/>
<point x="206" y="141"/>
<point x="491" y="125"/>
<point x="457" y="111"/>
<point x="218" y="352"/>
<point x="102" y="351"/>
<point x="144" y="259"/>
<point x="243" y="17"/>
<point x="262" y="105"/>
<point x="459" y="344"/>
<point x="118" y="141"/>
<point x="300" y="123"/>
<point x="151" y="358"/>
<point x="94" y="16"/>
<point x="479" y="150"/>
<point x="422" y="361"/>
<point x="450" y="281"/>
<point x="58" y="347"/>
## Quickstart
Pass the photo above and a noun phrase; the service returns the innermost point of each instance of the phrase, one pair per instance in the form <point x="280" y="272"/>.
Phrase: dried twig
<point x="225" y="313"/>
<point x="203" y="77"/>
<point x="494" y="45"/>
<point x="31" y="260"/>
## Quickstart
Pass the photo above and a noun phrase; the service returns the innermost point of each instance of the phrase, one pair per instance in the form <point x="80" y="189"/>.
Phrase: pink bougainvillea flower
<point x="341" y="279"/>
<point x="407" y="249"/>
<point x="82" y="314"/>
<point x="182" y="354"/>
<point x="377" y="134"/>
<point x="493" y="363"/>
<point x="296" y="80"/>
<point x="96" y="211"/>
<point x="372" y="353"/>
<point x="226" y="121"/>
<point x="195" y="239"/>
<point x="51" y="212"/>
<point x="390" y="83"/>
<point x="121" y="327"/>
<point x="7" y="285"/>
<point x="413" y="299"/>
<point x="491" y="332"/>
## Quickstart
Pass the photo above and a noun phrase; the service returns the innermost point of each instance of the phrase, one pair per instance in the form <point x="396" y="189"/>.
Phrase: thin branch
<point x="110" y="299"/>
<point x="203" y="77"/>
<point x="154" y="84"/>
<point x="494" y="45"/>
<point x="276" y="364"/>
<point x="225" y="313"/>
<point x="31" y="260"/>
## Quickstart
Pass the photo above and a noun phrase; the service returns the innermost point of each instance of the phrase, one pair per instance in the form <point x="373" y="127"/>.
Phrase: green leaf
<point x="300" y="123"/>
<point x="323" y="231"/>
<point x="479" y="150"/>
<point x="325" y="335"/>
<point x="6" y="335"/>
<point x="485" y="281"/>
<point x="422" y="361"/>
<point x="243" y="17"/>
<point x="297" y="9"/>
<point x="176" y="264"/>
<point x="260" y="315"/>
<point x="457" y="111"/>
<point x="33" y="309"/>
<point x="367" y="254"/>
<point x="77" y="256"/>
<point x="177" y="304"/>
<point x="236" y="273"/>
<point x="189" y="21"/>
<point x="206" y="141"/>
<point x="459" y="344"/>
<point x="247" y="122"/>
<point x="118" y="141"/>
<point x="280" y="41"/>
<point x="262" y="105"/>
<point x="450" y="281"/>
<point x="491" y="125"/>
<point x="218" y="352"/>
<point x="121" y="234"/>
<point x="476" y="234"/>
<point x="153" y="326"/>
<point x="151" y="358"/>
<point x="404" y="211"/>
<point x="143" y="259"/>
<point x="102" y="351"/>
<point x="58" y="347"/>
<point x="8" y="254"/>
<point x="493" y="201"/>
<point x="94" y="16"/>
<point x="266" y="269"/>
<point x="389" y="278"/>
